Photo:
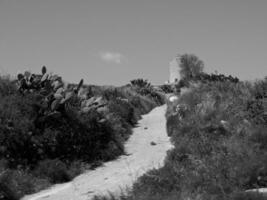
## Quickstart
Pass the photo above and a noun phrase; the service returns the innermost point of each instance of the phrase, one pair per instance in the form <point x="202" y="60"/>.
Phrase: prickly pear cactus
<point x="44" y="70"/>
<point x="55" y="104"/>
<point x="76" y="90"/>
<point x="54" y="93"/>
<point x="44" y="77"/>
<point x="69" y="95"/>
<point x="60" y="90"/>
<point x="58" y="96"/>
<point x="27" y="74"/>
<point x="20" y="76"/>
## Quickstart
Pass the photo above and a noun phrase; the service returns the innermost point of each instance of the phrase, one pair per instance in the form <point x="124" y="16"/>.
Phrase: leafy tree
<point x="190" y="66"/>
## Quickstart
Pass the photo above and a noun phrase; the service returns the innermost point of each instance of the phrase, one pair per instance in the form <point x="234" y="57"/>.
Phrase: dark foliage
<point x="140" y="83"/>
<point x="41" y="145"/>
<point x="167" y="88"/>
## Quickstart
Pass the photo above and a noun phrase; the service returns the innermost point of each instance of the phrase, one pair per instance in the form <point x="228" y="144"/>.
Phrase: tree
<point x="190" y="66"/>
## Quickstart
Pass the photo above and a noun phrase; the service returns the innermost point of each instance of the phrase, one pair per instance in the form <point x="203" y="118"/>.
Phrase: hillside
<point x="218" y="126"/>
<point x="51" y="131"/>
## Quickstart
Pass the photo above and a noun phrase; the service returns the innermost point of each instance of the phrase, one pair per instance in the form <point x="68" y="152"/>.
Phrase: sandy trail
<point x="115" y="176"/>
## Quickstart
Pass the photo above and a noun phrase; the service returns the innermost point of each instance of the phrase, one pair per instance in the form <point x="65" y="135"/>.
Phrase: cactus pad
<point x="43" y="70"/>
<point x="45" y="77"/>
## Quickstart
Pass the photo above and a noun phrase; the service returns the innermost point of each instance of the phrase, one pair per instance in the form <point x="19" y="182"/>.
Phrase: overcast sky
<point x="114" y="41"/>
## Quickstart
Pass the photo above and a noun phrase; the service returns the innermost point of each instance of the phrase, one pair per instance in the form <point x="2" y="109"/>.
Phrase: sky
<point x="110" y="42"/>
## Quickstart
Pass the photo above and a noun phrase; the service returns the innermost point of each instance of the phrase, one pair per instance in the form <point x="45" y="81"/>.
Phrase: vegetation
<point x="218" y="129"/>
<point x="190" y="66"/>
<point x="141" y="83"/>
<point x="143" y="87"/>
<point x="167" y="88"/>
<point x="51" y="131"/>
<point x="191" y="71"/>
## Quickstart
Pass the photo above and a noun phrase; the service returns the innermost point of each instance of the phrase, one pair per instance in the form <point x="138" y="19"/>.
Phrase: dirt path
<point x="117" y="175"/>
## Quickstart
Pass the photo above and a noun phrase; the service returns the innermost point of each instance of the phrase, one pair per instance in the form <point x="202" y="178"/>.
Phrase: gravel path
<point x="146" y="149"/>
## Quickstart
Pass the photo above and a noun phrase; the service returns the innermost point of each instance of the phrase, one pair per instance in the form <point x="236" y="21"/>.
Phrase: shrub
<point x="214" y="153"/>
<point x="55" y="170"/>
<point x="16" y="183"/>
<point x="220" y="145"/>
<point x="7" y="87"/>
<point x="141" y="83"/>
<point x="42" y="146"/>
<point x="167" y="88"/>
<point x="123" y="109"/>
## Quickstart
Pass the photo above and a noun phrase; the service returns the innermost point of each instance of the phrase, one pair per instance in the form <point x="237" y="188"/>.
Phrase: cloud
<point x="112" y="57"/>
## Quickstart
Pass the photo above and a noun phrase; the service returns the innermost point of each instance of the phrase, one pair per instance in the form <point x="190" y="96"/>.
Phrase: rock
<point x="102" y="121"/>
<point x="153" y="143"/>
<point x="173" y="98"/>
<point x="225" y="124"/>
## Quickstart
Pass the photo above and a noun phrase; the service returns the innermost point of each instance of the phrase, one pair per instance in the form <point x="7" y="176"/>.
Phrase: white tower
<point x="174" y="71"/>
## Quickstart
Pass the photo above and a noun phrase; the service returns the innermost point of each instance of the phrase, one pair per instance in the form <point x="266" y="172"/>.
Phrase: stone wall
<point x="174" y="71"/>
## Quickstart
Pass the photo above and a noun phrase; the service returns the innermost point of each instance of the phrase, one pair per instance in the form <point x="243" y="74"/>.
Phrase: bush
<point x="141" y="83"/>
<point x="41" y="147"/>
<point x="7" y="87"/>
<point x="55" y="170"/>
<point x="220" y="145"/>
<point x="213" y="137"/>
<point x="123" y="109"/>
<point x="16" y="183"/>
<point x="216" y="151"/>
<point x="167" y="88"/>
